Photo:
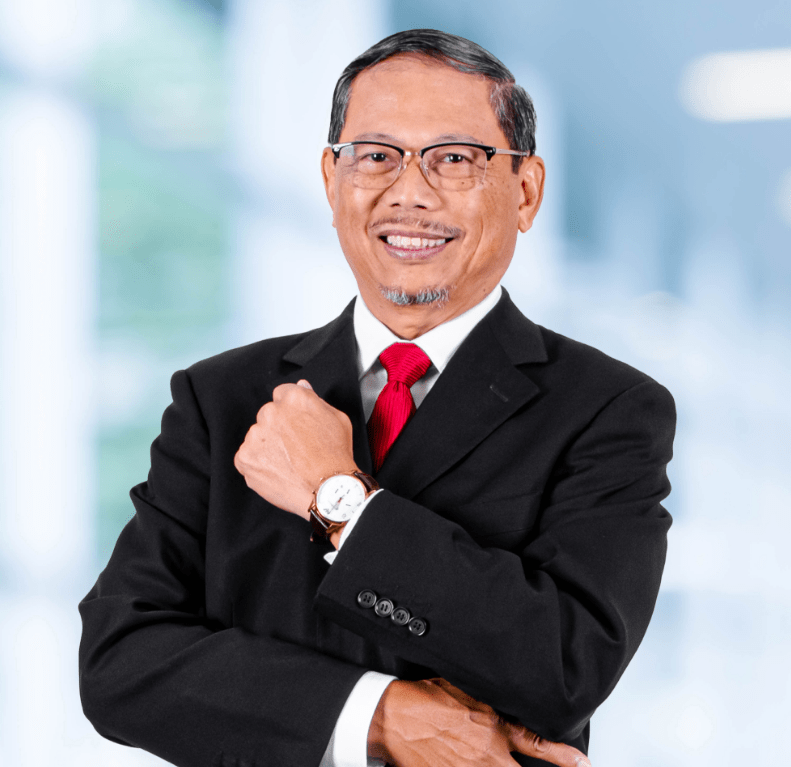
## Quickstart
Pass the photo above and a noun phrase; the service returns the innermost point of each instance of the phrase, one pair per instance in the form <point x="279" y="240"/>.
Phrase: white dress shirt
<point x="348" y="746"/>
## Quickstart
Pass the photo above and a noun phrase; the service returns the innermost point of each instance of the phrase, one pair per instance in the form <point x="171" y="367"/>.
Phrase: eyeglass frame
<point x="490" y="152"/>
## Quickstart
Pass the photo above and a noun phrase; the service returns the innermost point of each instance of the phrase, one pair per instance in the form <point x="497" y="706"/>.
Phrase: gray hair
<point x="510" y="102"/>
<point x="400" y="297"/>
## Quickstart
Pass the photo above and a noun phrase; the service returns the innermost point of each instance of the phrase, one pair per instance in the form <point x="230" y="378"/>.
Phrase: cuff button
<point x="383" y="607"/>
<point x="366" y="598"/>
<point x="400" y="616"/>
<point x="418" y="626"/>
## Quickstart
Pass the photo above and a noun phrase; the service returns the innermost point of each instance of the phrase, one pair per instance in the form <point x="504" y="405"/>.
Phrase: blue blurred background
<point x="160" y="201"/>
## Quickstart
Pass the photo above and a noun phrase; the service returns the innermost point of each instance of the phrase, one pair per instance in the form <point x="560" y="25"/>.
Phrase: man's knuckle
<point x="483" y="718"/>
<point x="541" y="745"/>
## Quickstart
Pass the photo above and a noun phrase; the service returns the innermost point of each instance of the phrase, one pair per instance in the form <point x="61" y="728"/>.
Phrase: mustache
<point x="430" y="227"/>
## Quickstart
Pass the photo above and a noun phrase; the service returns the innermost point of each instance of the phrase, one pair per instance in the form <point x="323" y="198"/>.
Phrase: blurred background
<point x="160" y="201"/>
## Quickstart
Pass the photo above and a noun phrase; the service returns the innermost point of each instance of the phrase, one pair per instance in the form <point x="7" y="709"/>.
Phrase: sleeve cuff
<point x="330" y="557"/>
<point x="348" y="746"/>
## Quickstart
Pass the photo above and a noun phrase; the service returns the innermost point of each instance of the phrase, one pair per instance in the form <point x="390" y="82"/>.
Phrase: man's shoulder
<point x="569" y="356"/>
<point x="588" y="380"/>
<point x="242" y="359"/>
<point x="564" y="363"/>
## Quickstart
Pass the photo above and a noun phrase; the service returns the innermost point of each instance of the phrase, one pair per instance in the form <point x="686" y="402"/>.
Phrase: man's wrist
<point x="336" y="502"/>
<point x="349" y="744"/>
<point x="376" y="746"/>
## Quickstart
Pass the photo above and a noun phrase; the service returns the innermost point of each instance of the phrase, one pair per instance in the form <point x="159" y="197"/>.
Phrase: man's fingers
<point x="286" y="390"/>
<point x="526" y="742"/>
<point x="523" y="740"/>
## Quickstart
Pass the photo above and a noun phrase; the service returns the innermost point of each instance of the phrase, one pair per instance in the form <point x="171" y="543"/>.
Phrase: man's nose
<point x="411" y="189"/>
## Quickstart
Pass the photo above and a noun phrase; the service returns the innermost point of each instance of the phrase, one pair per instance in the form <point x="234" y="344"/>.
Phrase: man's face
<point x="413" y="102"/>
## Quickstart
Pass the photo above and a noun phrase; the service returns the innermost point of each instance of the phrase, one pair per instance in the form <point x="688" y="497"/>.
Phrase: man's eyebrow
<point x="464" y="137"/>
<point x="376" y="137"/>
<point x="461" y="137"/>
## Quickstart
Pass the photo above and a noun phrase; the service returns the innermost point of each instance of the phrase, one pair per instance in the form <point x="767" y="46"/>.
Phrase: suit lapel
<point x="327" y="358"/>
<point x="479" y="390"/>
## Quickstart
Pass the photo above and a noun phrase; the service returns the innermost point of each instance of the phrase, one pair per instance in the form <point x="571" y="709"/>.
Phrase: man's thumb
<point x="527" y="742"/>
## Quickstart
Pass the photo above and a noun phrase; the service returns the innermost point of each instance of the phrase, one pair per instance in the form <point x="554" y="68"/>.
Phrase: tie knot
<point x="404" y="362"/>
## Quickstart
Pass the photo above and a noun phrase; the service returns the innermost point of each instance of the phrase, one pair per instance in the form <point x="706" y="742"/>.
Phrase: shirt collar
<point x="439" y="343"/>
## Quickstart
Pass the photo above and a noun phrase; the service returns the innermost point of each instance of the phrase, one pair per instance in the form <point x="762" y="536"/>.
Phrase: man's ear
<point x="328" y="174"/>
<point x="531" y="190"/>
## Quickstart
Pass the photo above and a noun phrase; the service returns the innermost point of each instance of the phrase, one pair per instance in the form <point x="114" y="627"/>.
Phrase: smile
<point x="413" y="243"/>
<point x="407" y="247"/>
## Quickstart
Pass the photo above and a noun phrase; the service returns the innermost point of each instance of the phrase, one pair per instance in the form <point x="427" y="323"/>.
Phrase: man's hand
<point x="431" y="723"/>
<point x="297" y="440"/>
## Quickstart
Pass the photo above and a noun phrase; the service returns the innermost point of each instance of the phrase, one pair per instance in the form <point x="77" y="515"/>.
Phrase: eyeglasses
<point x="371" y="165"/>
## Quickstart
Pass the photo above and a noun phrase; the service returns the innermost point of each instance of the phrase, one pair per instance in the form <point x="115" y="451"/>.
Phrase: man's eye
<point x="453" y="158"/>
<point x="374" y="157"/>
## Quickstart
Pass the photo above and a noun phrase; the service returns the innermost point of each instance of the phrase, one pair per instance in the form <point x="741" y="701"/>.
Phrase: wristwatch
<point x="336" y="501"/>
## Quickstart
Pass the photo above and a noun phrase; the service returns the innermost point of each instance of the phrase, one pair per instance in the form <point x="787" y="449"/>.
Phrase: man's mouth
<point x="413" y="243"/>
<point x="412" y="247"/>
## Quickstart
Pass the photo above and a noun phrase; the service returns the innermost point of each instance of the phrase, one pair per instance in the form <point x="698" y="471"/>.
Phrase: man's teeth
<point x="413" y="243"/>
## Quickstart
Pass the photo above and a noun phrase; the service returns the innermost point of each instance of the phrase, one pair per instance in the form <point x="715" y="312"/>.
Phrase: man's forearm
<point x="500" y="624"/>
<point x="163" y="664"/>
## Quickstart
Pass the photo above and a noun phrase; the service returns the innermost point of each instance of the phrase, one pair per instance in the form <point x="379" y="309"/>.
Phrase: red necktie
<point x="405" y="364"/>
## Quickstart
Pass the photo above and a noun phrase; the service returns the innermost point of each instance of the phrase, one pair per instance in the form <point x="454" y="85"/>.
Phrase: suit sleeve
<point x="542" y="634"/>
<point x="156" y="673"/>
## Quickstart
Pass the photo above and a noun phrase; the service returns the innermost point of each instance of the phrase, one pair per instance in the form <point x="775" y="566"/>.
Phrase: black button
<point x="383" y="607"/>
<point x="418" y="626"/>
<point x="400" y="616"/>
<point x="366" y="598"/>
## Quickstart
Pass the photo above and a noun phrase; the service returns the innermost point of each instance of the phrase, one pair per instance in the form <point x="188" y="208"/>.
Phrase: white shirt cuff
<point x="348" y="746"/>
<point x="330" y="557"/>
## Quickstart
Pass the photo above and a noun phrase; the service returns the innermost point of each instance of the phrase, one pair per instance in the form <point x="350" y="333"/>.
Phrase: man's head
<point x="430" y="240"/>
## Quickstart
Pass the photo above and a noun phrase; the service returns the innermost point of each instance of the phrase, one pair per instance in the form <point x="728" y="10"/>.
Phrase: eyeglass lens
<point x="375" y="166"/>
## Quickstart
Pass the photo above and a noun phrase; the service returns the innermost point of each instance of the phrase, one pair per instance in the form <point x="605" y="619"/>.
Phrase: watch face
<point x="338" y="497"/>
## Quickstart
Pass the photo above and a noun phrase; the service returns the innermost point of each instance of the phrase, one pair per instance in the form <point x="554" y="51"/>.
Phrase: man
<point x="500" y="578"/>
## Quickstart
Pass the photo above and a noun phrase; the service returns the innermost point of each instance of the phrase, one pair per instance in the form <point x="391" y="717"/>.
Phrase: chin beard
<point x="437" y="297"/>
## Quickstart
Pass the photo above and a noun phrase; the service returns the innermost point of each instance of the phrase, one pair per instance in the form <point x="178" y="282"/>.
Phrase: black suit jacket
<point x="521" y="520"/>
